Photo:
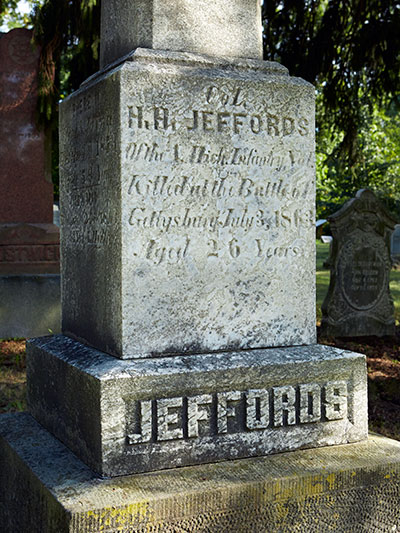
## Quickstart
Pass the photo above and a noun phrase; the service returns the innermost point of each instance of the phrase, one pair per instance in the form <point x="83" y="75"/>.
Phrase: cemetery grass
<point x="383" y="359"/>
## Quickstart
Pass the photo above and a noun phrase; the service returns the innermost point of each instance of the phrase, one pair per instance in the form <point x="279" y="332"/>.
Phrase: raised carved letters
<point x="224" y="122"/>
<point x="235" y="411"/>
<point x="244" y="165"/>
<point x="30" y="253"/>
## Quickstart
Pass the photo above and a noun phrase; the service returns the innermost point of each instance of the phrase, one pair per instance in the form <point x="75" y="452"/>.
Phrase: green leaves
<point x="350" y="50"/>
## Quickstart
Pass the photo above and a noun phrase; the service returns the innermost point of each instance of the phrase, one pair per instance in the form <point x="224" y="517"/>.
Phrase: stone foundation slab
<point x="122" y="417"/>
<point x="44" y="488"/>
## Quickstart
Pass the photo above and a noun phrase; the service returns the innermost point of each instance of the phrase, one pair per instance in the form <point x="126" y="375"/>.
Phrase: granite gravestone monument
<point x="358" y="301"/>
<point x="29" y="241"/>
<point x="188" y="254"/>
<point x="189" y="277"/>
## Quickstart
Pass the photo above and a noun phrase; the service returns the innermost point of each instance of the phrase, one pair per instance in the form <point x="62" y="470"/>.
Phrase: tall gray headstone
<point x="188" y="253"/>
<point x="358" y="302"/>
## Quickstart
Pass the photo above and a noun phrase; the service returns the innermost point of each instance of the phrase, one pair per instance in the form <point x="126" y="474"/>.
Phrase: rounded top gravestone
<point x="358" y="301"/>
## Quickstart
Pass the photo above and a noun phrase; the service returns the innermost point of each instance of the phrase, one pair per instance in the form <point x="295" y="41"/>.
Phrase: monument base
<point x="128" y="416"/>
<point x="44" y="488"/>
<point x="30" y="305"/>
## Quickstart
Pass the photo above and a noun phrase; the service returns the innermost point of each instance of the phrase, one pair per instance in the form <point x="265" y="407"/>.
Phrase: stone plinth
<point x="123" y="417"/>
<point x="358" y="301"/>
<point x="188" y="207"/>
<point x="44" y="488"/>
<point x="212" y="27"/>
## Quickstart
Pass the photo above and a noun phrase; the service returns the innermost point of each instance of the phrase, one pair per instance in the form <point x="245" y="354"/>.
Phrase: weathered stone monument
<point x="29" y="241"/>
<point x="358" y="301"/>
<point x="188" y="301"/>
<point x="395" y="245"/>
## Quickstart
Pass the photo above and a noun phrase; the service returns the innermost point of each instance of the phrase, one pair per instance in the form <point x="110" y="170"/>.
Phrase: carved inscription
<point x="235" y="184"/>
<point x="225" y="122"/>
<point x="190" y="187"/>
<point x="33" y="253"/>
<point x="235" y="411"/>
<point x="89" y="171"/>
<point x="363" y="276"/>
<point x="204" y="154"/>
<point x="195" y="221"/>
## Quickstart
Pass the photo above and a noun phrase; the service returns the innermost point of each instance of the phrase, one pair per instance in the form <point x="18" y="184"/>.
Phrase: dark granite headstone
<point x="395" y="248"/>
<point x="358" y="301"/>
<point x="29" y="241"/>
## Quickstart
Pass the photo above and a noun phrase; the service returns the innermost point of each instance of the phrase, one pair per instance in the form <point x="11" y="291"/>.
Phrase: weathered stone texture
<point x="359" y="301"/>
<point x="44" y="488"/>
<point x="122" y="417"/>
<point x="212" y="27"/>
<point x="188" y="192"/>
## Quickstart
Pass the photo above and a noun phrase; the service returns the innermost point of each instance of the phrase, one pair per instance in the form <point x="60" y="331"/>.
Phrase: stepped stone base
<point x="44" y="488"/>
<point x="125" y="417"/>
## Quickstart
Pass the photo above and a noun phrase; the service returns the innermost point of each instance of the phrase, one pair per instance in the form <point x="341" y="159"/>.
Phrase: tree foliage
<point x="12" y="17"/>
<point x="349" y="49"/>
<point x="8" y="8"/>
<point x="68" y="32"/>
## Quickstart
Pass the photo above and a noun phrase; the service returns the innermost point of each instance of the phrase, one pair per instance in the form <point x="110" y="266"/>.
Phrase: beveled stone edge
<point x="104" y="366"/>
<point x="190" y="59"/>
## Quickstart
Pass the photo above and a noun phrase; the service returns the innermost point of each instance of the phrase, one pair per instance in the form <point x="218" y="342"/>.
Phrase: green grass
<point x="323" y="276"/>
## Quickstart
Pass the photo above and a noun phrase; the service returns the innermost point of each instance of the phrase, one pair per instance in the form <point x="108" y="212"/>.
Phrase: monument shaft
<point x="188" y="190"/>
<point x="211" y="27"/>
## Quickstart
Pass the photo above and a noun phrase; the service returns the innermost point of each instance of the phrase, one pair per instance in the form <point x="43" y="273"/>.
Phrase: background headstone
<point x="395" y="245"/>
<point x="29" y="241"/>
<point x="358" y="301"/>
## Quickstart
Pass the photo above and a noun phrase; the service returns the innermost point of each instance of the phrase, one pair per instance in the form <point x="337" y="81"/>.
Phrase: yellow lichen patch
<point x="114" y="518"/>
<point x="282" y="512"/>
<point x="331" y="480"/>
